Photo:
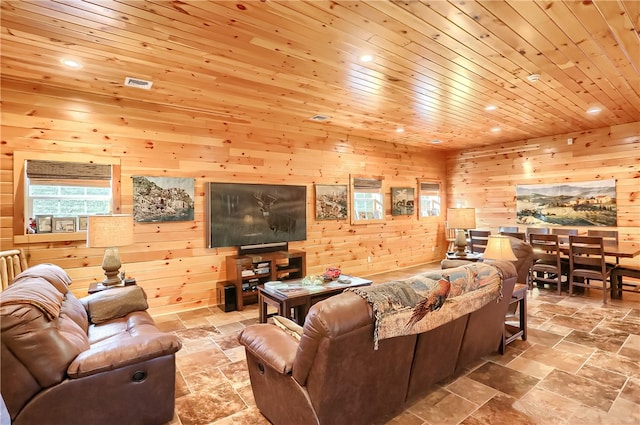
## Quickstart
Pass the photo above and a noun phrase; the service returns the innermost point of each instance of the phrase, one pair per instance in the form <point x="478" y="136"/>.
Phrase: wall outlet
<point x="569" y="141"/>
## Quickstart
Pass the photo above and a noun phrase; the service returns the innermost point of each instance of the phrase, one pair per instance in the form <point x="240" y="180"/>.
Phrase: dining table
<point x="612" y="249"/>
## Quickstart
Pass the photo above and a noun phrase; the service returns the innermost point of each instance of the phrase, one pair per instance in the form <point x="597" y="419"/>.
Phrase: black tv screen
<point x="241" y="214"/>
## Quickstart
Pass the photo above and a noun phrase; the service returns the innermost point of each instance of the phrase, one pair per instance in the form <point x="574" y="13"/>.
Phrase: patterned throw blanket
<point x="428" y="300"/>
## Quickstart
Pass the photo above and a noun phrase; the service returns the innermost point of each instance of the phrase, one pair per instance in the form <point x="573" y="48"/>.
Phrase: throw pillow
<point x="289" y="326"/>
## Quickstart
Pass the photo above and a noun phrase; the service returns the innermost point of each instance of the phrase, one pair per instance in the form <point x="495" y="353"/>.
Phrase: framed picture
<point x="64" y="224"/>
<point x="161" y="199"/>
<point x="82" y="222"/>
<point x="331" y="202"/>
<point x="402" y="201"/>
<point x="44" y="223"/>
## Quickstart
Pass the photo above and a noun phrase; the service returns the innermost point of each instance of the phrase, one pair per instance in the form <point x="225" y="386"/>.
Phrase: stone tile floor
<point x="580" y="365"/>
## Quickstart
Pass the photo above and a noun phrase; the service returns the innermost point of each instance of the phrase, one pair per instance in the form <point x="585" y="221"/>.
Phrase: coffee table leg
<point x="262" y="309"/>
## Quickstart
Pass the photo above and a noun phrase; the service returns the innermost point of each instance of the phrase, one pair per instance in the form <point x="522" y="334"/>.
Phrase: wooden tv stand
<point x="248" y="271"/>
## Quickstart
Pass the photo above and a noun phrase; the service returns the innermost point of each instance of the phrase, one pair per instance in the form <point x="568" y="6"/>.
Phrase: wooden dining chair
<point x="563" y="233"/>
<point x="607" y="235"/>
<point x="547" y="265"/>
<point x="587" y="263"/>
<point x="610" y="236"/>
<point x="537" y="231"/>
<point x="12" y="262"/>
<point x="478" y="240"/>
<point x="519" y="235"/>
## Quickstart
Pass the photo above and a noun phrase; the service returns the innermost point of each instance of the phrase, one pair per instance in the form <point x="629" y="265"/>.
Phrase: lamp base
<point x="460" y="252"/>
<point x="461" y="243"/>
<point x="111" y="280"/>
<point x="111" y="266"/>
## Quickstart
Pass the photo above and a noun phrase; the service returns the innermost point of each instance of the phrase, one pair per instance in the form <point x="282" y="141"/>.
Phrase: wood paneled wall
<point x="170" y="260"/>
<point x="486" y="178"/>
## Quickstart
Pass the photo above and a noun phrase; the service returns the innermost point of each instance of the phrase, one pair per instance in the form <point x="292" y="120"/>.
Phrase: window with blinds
<point x="430" y="199"/>
<point x="67" y="189"/>
<point x="368" y="199"/>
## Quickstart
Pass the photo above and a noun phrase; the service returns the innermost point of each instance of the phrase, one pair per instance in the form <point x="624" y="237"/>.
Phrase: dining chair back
<point x="478" y="240"/>
<point x="537" y="231"/>
<point x="519" y="235"/>
<point x="12" y="262"/>
<point x="587" y="263"/>
<point x="547" y="264"/>
<point x="563" y="233"/>
<point x="607" y="235"/>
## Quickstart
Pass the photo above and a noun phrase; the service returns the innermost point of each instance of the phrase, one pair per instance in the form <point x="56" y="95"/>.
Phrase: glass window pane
<point x="98" y="207"/>
<point x="35" y="190"/>
<point x="44" y="206"/>
<point x="72" y="191"/>
<point x="71" y="207"/>
<point x="99" y="191"/>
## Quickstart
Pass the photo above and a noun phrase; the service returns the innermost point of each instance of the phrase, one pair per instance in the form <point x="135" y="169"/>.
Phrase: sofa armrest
<point x="123" y="350"/>
<point x="113" y="303"/>
<point x="449" y="264"/>
<point x="271" y="345"/>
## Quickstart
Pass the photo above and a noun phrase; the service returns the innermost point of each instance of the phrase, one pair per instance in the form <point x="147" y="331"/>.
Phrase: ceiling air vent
<point x="320" y="118"/>
<point x="138" y="83"/>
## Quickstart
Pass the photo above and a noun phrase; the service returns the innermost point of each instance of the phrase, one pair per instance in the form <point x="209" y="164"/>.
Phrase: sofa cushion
<point x="121" y="342"/>
<point x="33" y="332"/>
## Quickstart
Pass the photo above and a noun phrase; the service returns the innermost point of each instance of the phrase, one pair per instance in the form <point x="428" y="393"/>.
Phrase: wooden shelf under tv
<point x="282" y="265"/>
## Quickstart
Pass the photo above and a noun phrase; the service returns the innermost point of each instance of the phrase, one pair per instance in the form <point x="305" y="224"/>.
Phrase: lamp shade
<point x="106" y="231"/>
<point x="461" y="218"/>
<point x="499" y="248"/>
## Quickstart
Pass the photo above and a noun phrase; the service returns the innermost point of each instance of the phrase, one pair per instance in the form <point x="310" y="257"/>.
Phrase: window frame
<point x="19" y="192"/>
<point x="376" y="204"/>
<point x="421" y="194"/>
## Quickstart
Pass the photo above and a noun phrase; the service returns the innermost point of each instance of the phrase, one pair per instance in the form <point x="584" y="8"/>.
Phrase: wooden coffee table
<point x="296" y="305"/>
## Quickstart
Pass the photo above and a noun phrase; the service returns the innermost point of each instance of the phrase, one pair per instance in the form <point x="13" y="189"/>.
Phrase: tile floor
<point x="580" y="365"/>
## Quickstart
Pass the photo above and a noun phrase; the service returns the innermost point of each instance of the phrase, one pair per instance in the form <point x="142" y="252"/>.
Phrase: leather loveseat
<point x="334" y="371"/>
<point x="97" y="360"/>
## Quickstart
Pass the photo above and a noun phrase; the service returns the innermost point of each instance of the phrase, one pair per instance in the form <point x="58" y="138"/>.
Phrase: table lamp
<point x="499" y="248"/>
<point x="110" y="232"/>
<point x="461" y="219"/>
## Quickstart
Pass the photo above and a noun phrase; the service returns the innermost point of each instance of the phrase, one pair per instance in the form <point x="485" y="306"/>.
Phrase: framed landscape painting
<point x="331" y="202"/>
<point x="158" y="199"/>
<point x="568" y="204"/>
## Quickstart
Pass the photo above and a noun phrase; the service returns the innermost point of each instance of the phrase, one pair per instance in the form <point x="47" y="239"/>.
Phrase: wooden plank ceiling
<point x="436" y="64"/>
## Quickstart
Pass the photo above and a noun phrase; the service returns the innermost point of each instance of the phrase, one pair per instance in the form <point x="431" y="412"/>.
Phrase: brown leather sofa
<point x="60" y="367"/>
<point x="331" y="373"/>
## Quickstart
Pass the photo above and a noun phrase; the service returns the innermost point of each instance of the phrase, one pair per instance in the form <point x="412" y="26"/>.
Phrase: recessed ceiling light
<point x="594" y="110"/>
<point x="436" y="142"/>
<point x="533" y="77"/>
<point x="366" y="58"/>
<point x="495" y="130"/>
<point x="399" y="130"/>
<point x="490" y="108"/>
<point x="71" y="63"/>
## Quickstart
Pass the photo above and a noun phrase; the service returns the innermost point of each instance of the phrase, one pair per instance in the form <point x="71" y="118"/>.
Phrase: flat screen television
<point x="240" y="214"/>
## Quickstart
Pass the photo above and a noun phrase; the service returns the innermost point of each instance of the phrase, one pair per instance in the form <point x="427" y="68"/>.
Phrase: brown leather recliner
<point x="60" y="367"/>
